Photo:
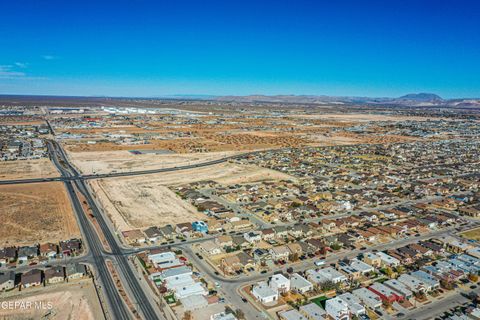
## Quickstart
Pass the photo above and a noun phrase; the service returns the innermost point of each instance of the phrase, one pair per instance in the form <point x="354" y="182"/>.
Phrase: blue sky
<point x="154" y="48"/>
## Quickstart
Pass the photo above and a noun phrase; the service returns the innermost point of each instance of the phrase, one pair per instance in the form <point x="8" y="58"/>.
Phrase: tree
<point x="240" y="314"/>
<point x="187" y="315"/>
<point x="293" y="257"/>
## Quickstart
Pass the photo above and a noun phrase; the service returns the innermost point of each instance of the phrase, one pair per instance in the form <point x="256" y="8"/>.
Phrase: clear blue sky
<point x="153" y="48"/>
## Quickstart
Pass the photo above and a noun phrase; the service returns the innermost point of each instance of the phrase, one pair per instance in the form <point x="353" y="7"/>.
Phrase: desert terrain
<point x="27" y="169"/>
<point x="124" y="161"/>
<point x="35" y="213"/>
<point x="77" y="301"/>
<point x="142" y="201"/>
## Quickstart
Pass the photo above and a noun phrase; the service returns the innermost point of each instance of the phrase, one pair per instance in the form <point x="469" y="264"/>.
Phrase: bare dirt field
<point x="33" y="213"/>
<point x="360" y="117"/>
<point x="142" y="201"/>
<point x="27" y="169"/>
<point x="142" y="204"/>
<point x="124" y="161"/>
<point x="74" y="301"/>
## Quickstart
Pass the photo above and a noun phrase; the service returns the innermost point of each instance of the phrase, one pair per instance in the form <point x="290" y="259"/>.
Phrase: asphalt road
<point x="116" y="304"/>
<point x="74" y="177"/>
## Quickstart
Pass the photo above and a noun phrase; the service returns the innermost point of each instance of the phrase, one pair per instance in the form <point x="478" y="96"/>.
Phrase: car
<point x="263" y="271"/>
<point x="216" y="273"/>
<point x="319" y="263"/>
<point x="244" y="300"/>
<point x="417" y="235"/>
<point x="473" y="287"/>
<point x="400" y="314"/>
<point x="363" y="248"/>
<point x="217" y="285"/>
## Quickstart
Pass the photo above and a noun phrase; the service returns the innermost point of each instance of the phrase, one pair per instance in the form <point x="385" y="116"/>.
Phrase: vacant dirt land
<point x="37" y="212"/>
<point x="27" y="169"/>
<point x="77" y="301"/>
<point x="360" y="117"/>
<point x="142" y="204"/>
<point x="142" y="201"/>
<point x="473" y="234"/>
<point x="121" y="161"/>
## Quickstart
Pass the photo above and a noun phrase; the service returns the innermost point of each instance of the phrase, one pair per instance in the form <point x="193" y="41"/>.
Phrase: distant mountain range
<point x="412" y="99"/>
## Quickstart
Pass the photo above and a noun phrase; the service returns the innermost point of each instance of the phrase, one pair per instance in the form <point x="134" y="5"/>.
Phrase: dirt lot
<point x="120" y="161"/>
<point x="27" y="169"/>
<point x="32" y="213"/>
<point x="473" y="234"/>
<point x="141" y="201"/>
<point x="65" y="301"/>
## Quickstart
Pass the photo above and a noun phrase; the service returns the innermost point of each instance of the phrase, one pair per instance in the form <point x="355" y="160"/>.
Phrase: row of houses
<point x="41" y="252"/>
<point x="10" y="280"/>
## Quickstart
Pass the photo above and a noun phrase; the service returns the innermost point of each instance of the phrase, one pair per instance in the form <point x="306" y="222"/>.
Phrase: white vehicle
<point x="319" y="263"/>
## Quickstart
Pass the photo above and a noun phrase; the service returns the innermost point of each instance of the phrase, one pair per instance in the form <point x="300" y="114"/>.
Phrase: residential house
<point x="280" y="253"/>
<point x="368" y="298"/>
<point x="48" y="250"/>
<point x="292" y="314"/>
<point x="264" y="293"/>
<point x="27" y="252"/>
<point x="200" y="226"/>
<point x="280" y="283"/>
<point x="70" y="247"/>
<point x="252" y="237"/>
<point x="32" y="278"/>
<point x="399" y="287"/>
<point x="354" y="304"/>
<point x="54" y="275"/>
<point x="300" y="284"/>
<point x="74" y="271"/>
<point x="153" y="234"/>
<point x="386" y="293"/>
<point x="313" y="311"/>
<point x="7" y="280"/>
<point x="184" y="229"/>
<point x="210" y="247"/>
<point x="337" y="309"/>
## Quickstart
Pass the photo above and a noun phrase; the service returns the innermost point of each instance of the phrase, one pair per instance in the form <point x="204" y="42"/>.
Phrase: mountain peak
<point x="421" y="97"/>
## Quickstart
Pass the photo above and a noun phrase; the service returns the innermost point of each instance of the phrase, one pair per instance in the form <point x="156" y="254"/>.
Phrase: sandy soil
<point x="120" y="161"/>
<point x="141" y="201"/>
<point x="65" y="301"/>
<point x="32" y="213"/>
<point x="360" y="117"/>
<point x="138" y="205"/>
<point x="27" y="169"/>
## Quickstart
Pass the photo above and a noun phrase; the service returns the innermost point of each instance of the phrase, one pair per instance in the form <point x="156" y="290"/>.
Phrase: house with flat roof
<point x="170" y="273"/>
<point x="164" y="260"/>
<point x="372" y="259"/>
<point x="386" y="293"/>
<point x="300" y="284"/>
<point x="291" y="315"/>
<point x="387" y="260"/>
<point x="264" y="293"/>
<point x="313" y="311"/>
<point x="279" y="283"/>
<point x="332" y="274"/>
<point x="413" y="283"/>
<point x="431" y="282"/>
<point x="368" y="298"/>
<point x="361" y="266"/>
<point x="337" y="309"/>
<point x="354" y="304"/>
<point x="399" y="287"/>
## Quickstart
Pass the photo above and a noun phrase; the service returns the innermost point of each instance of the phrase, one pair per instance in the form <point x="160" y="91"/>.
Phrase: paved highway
<point x="138" y="296"/>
